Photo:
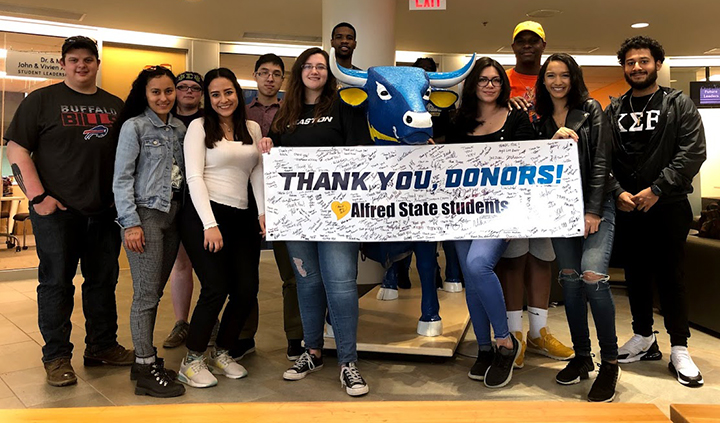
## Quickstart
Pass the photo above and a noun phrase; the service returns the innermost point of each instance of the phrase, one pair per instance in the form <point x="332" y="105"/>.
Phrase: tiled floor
<point x="22" y="378"/>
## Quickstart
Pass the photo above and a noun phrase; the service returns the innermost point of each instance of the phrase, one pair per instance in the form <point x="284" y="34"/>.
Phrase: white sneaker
<point x="194" y="372"/>
<point x="222" y="363"/>
<point x="639" y="348"/>
<point x="684" y="367"/>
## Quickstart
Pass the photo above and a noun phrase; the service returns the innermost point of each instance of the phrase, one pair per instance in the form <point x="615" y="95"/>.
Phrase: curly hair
<point x="639" y="42"/>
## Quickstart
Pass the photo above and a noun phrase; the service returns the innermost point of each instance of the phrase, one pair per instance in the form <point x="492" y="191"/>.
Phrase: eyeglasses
<point x="265" y="73"/>
<point x="192" y="89"/>
<point x="156" y="67"/>
<point x="496" y="82"/>
<point x="308" y="66"/>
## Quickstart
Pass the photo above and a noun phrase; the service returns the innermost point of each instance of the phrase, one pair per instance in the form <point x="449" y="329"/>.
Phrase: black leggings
<point x="231" y="272"/>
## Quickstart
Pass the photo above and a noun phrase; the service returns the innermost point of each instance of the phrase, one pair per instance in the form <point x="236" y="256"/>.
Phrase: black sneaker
<point x="304" y="365"/>
<point x="578" y="368"/>
<point x="352" y="381"/>
<point x="484" y="359"/>
<point x="294" y="349"/>
<point x="500" y="371"/>
<point x="153" y="380"/>
<point x="603" y="389"/>
<point x="242" y="348"/>
<point x="135" y="369"/>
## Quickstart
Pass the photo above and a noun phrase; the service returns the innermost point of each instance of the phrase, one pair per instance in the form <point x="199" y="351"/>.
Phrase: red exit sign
<point x="427" y="4"/>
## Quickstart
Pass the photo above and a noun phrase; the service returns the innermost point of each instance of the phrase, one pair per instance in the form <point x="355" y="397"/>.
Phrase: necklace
<point x="641" y="119"/>
<point x="227" y="129"/>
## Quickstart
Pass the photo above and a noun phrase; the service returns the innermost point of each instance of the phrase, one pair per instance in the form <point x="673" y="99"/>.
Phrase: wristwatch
<point x="656" y="190"/>
<point x="39" y="198"/>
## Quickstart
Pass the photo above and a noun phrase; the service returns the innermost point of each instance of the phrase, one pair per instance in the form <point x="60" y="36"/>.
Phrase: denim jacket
<point x="143" y="165"/>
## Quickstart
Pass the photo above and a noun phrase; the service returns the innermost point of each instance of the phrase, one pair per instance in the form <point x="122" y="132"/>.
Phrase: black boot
<point x="153" y="380"/>
<point x="603" y="390"/>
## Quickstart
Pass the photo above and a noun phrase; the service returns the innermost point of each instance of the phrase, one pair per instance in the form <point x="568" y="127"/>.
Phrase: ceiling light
<point x="640" y="25"/>
<point x="544" y="13"/>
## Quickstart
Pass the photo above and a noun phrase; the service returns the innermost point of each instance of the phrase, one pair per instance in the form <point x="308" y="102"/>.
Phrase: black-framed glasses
<point x="191" y="88"/>
<point x="484" y="82"/>
<point x="308" y="66"/>
<point x="266" y="73"/>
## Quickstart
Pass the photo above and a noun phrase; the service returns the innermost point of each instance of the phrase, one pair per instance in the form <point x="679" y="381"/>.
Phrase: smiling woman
<point x="147" y="184"/>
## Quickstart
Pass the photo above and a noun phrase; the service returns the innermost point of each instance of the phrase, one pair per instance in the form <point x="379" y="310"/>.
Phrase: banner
<point x="34" y="64"/>
<point x="527" y="189"/>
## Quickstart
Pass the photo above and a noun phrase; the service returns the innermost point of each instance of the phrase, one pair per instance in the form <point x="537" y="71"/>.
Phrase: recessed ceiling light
<point x="640" y="25"/>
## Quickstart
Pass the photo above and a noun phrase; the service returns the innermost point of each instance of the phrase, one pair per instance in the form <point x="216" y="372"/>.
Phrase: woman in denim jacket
<point x="148" y="185"/>
<point x="568" y="113"/>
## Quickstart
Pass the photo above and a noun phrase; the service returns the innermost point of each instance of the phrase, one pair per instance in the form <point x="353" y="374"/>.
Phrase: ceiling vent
<point x="282" y="38"/>
<point x="40" y="12"/>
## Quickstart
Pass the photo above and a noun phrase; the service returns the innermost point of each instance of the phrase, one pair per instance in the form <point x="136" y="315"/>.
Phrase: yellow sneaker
<point x="549" y="346"/>
<point x="520" y="360"/>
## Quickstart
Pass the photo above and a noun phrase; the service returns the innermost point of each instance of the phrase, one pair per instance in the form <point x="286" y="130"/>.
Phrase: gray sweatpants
<point x="150" y="271"/>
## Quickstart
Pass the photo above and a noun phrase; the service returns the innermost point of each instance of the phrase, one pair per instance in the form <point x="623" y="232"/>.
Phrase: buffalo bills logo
<point x="98" y="131"/>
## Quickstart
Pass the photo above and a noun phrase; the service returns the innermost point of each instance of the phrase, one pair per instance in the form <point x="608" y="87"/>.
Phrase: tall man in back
<point x="658" y="148"/>
<point x="63" y="161"/>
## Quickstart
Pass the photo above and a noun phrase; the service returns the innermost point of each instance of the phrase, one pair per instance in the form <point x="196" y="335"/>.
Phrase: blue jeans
<point x="452" y="265"/>
<point x="483" y="292"/>
<point x="63" y="238"/>
<point x="591" y="255"/>
<point x="326" y="274"/>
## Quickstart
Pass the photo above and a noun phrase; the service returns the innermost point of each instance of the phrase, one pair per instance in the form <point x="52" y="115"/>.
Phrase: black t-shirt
<point x="343" y="125"/>
<point x="187" y="119"/>
<point x="637" y="122"/>
<point x="67" y="133"/>
<point x="517" y="127"/>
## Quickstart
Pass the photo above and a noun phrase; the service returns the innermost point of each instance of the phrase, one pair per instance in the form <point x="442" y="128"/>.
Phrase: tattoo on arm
<point x="18" y="177"/>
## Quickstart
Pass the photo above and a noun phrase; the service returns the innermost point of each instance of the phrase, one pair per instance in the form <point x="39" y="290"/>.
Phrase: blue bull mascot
<point x="397" y="99"/>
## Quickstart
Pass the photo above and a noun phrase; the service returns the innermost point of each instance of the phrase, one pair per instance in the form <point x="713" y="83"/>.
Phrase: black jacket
<point x="594" y="149"/>
<point x="675" y="153"/>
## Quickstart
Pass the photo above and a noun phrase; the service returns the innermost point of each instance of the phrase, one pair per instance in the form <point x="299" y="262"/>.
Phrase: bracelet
<point x="39" y="198"/>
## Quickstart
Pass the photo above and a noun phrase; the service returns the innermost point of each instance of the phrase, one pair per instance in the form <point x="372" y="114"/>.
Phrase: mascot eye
<point x="426" y="96"/>
<point x="382" y="92"/>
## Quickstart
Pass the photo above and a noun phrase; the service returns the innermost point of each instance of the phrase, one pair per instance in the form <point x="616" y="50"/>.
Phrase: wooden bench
<point x="350" y="411"/>
<point x="694" y="413"/>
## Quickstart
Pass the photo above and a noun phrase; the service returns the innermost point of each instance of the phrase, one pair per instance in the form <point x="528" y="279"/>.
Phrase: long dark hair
<point x="467" y="115"/>
<point x="294" y="100"/>
<point x="213" y="130"/>
<point x="577" y="94"/>
<point x="136" y="101"/>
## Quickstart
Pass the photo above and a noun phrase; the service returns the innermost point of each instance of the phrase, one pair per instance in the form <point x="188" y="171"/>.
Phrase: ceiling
<point x="684" y="27"/>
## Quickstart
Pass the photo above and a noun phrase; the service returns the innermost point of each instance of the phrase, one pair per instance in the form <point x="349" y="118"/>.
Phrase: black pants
<point x="230" y="273"/>
<point x="62" y="239"/>
<point x="653" y="250"/>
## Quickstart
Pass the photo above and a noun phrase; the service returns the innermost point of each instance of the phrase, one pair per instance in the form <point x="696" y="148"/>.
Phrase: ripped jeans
<point x="585" y="259"/>
<point x="326" y="275"/>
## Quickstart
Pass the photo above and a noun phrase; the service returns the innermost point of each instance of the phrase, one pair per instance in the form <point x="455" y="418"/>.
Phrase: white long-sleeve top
<point x="221" y="174"/>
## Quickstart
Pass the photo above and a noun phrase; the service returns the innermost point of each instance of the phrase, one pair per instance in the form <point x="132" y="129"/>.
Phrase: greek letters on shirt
<point x="638" y="121"/>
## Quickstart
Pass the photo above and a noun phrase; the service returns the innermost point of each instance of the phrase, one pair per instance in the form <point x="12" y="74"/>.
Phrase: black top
<point x="637" y="123"/>
<point x="187" y="119"/>
<point x="517" y="127"/>
<point x="67" y="134"/>
<point x="343" y="125"/>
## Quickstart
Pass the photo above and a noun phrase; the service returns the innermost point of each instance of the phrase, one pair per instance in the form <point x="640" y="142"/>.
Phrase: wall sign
<point x="528" y="189"/>
<point x="427" y="4"/>
<point x="34" y="64"/>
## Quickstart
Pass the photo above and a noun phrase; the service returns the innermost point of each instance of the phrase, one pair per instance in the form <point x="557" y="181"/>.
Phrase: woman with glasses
<point x="484" y="116"/>
<point x="568" y="113"/>
<point x="148" y="184"/>
<point x="220" y="233"/>
<point x="312" y="116"/>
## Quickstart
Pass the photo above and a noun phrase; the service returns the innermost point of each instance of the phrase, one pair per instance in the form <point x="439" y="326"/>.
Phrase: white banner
<point x="34" y="64"/>
<point x="528" y="189"/>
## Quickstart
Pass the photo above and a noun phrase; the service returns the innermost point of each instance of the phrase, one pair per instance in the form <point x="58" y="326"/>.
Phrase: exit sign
<point x="427" y="4"/>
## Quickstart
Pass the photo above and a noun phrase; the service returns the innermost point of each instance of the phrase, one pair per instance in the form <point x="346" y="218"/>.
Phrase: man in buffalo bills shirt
<point x="62" y="155"/>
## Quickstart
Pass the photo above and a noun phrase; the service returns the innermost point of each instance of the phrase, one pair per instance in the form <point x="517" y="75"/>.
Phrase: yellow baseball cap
<point x="531" y="26"/>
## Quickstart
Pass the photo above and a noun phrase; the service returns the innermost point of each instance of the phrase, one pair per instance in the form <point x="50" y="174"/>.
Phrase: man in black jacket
<point x="658" y="147"/>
